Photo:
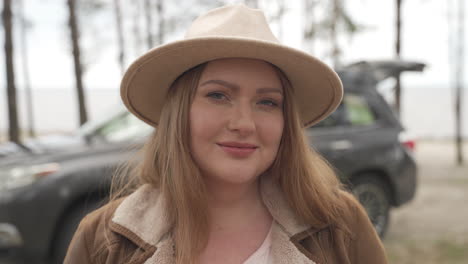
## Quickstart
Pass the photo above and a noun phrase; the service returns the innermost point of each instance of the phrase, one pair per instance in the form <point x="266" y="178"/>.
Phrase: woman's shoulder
<point x="353" y="213"/>
<point x="352" y="239"/>
<point x="126" y="218"/>
<point x="365" y="245"/>
<point x="352" y="204"/>
<point x="96" y="224"/>
<point x="350" y="217"/>
<point x="92" y="234"/>
<point x="101" y="216"/>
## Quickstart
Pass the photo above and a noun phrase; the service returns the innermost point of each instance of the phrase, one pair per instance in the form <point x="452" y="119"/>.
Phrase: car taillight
<point x="407" y="142"/>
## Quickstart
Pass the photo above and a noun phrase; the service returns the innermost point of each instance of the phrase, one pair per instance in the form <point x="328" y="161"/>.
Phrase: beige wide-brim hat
<point x="234" y="31"/>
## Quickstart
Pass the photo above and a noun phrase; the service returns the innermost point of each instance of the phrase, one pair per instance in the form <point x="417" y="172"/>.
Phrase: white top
<point x="262" y="255"/>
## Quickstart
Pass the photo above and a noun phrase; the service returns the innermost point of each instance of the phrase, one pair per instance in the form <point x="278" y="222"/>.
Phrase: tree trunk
<point x="459" y="81"/>
<point x="136" y="27"/>
<point x="335" y="49"/>
<point x="10" y="73"/>
<point x="74" y="34"/>
<point x="120" y="36"/>
<point x="161" y="26"/>
<point x="279" y="17"/>
<point x="27" y="82"/>
<point x="310" y="24"/>
<point x="149" y="24"/>
<point x="398" y="56"/>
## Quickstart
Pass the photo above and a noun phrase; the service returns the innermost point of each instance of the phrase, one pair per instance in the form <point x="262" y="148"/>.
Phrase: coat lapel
<point x="274" y="200"/>
<point x="164" y="253"/>
<point x="283" y="250"/>
<point x="142" y="213"/>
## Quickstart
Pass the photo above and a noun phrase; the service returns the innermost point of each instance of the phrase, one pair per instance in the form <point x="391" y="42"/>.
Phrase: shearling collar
<point x="142" y="214"/>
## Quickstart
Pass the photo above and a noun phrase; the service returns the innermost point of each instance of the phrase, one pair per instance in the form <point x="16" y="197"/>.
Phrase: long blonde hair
<point x="307" y="180"/>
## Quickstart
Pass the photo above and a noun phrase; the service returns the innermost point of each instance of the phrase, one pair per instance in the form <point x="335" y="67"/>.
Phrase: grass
<point x="458" y="181"/>
<point x="436" y="251"/>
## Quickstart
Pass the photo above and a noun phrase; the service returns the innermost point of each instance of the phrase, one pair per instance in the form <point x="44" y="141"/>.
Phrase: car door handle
<point x="341" y="145"/>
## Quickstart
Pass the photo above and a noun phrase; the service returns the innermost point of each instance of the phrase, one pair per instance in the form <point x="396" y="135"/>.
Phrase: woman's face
<point x="236" y="119"/>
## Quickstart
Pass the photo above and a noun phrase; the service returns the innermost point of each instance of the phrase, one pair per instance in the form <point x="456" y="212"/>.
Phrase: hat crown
<point x="234" y="21"/>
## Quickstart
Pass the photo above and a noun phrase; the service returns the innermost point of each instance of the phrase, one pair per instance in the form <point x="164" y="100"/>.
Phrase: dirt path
<point x="433" y="228"/>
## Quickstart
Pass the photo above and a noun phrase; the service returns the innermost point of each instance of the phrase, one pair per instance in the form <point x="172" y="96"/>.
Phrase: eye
<point x="268" y="102"/>
<point x="217" y="95"/>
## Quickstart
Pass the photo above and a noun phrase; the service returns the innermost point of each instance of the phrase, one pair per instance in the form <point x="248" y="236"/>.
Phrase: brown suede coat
<point x="133" y="231"/>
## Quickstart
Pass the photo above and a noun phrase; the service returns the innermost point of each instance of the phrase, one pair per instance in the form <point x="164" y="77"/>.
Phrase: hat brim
<point x="317" y="88"/>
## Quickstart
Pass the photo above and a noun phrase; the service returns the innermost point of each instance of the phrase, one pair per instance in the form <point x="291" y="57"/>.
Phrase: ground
<point x="433" y="228"/>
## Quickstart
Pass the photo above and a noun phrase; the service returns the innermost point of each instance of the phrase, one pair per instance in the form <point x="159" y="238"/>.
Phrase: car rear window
<point x="353" y="111"/>
<point x="358" y="111"/>
<point x="335" y="119"/>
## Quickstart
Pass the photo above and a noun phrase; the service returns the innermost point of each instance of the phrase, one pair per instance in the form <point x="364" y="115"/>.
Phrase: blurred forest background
<point x="64" y="58"/>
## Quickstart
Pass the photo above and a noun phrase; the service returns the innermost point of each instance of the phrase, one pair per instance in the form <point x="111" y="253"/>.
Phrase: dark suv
<point x="366" y="143"/>
<point x="46" y="190"/>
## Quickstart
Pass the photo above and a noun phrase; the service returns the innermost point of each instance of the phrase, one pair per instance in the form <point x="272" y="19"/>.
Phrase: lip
<point x="238" y="149"/>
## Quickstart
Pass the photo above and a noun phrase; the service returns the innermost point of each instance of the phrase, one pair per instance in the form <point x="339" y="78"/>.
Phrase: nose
<point x="242" y="120"/>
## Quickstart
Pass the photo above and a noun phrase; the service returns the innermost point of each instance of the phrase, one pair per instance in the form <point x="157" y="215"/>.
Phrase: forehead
<point x="242" y="71"/>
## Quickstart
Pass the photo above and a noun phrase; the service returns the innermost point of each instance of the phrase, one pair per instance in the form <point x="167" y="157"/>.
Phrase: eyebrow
<point x="235" y="87"/>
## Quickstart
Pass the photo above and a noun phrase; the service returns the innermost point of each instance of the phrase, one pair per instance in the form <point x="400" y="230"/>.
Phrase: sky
<point x="425" y="39"/>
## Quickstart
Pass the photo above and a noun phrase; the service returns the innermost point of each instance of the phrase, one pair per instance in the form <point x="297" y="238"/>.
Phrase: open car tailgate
<point x="383" y="69"/>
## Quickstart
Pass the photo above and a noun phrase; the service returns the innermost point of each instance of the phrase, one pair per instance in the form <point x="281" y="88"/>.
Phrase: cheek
<point x="271" y="130"/>
<point x="204" y="123"/>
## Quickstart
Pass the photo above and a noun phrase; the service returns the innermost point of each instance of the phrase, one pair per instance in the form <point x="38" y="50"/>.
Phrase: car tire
<point x="68" y="227"/>
<point x="374" y="196"/>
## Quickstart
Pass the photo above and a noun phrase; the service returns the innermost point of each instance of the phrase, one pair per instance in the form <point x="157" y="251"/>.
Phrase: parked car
<point x="366" y="143"/>
<point x="45" y="192"/>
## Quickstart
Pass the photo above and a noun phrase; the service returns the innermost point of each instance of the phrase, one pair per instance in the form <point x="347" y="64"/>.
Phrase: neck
<point x="232" y="206"/>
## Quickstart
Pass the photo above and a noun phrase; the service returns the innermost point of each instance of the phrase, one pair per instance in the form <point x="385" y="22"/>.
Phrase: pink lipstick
<point x="238" y="149"/>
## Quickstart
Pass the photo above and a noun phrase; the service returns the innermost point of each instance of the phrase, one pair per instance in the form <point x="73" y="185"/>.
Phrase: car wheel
<point x="374" y="195"/>
<point x="67" y="230"/>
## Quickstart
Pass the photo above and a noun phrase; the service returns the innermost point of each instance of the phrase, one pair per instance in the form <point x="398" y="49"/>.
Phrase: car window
<point x="123" y="127"/>
<point x="335" y="119"/>
<point x="353" y="111"/>
<point x="358" y="111"/>
<point x="91" y="127"/>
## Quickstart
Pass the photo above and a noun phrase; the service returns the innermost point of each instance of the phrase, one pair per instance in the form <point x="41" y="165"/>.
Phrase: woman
<point x="229" y="177"/>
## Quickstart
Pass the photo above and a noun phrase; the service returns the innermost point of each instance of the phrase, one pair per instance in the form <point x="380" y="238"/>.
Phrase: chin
<point x="234" y="176"/>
